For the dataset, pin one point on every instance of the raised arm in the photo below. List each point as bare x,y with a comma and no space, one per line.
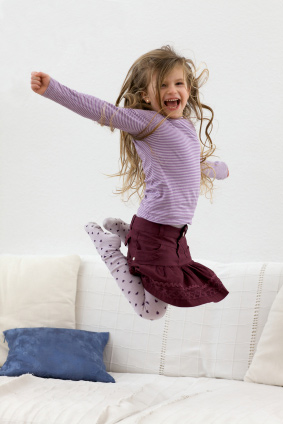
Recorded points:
125,119
220,168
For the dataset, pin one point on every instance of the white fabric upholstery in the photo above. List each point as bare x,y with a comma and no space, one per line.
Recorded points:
220,339
213,340
36,291
267,364
139,399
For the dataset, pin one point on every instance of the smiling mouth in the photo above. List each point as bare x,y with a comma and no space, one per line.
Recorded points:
172,104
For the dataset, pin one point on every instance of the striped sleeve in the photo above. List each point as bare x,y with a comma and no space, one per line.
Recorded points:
125,119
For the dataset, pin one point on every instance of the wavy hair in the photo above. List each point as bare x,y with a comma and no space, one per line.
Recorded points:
161,62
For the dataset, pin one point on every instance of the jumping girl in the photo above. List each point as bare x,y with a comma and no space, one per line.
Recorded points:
164,162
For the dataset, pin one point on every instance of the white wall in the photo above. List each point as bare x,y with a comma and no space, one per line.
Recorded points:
52,161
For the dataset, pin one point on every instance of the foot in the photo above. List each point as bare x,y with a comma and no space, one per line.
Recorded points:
117,226
105,243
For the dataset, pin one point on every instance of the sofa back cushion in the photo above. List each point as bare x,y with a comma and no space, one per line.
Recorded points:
267,363
37,291
212,340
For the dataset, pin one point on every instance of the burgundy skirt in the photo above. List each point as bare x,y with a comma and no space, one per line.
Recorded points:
159,254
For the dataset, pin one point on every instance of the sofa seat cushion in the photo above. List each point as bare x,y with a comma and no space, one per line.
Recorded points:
139,398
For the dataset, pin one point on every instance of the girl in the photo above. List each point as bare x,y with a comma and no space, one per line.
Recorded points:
163,161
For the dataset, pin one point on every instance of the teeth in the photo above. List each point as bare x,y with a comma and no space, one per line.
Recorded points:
171,100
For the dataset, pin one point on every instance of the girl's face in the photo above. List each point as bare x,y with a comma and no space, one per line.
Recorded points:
174,93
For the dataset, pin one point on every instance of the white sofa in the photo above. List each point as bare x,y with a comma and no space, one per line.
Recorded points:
209,364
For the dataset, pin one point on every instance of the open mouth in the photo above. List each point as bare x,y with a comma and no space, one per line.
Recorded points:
172,103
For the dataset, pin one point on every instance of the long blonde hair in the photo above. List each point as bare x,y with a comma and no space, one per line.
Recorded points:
160,62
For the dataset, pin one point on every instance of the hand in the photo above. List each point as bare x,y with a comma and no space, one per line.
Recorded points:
39,82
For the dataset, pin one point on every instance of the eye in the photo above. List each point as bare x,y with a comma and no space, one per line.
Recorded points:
163,85
180,83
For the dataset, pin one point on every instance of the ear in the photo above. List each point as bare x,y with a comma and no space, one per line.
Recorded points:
145,97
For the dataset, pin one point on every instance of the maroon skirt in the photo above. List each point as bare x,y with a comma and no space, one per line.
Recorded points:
159,254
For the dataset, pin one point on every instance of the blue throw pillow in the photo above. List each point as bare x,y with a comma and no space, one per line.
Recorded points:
56,353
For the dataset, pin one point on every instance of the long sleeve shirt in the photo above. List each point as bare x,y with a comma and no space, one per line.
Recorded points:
170,155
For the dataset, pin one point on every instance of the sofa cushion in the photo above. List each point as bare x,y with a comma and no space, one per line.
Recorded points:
220,339
56,353
138,398
212,340
37,291
267,363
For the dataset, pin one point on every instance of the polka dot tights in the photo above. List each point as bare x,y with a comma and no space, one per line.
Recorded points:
108,247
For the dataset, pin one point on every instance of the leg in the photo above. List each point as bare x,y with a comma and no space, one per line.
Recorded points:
108,247
117,226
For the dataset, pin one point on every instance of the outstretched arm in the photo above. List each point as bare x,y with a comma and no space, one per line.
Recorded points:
220,168
129,120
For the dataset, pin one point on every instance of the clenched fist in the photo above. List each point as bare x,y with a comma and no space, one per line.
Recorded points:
39,82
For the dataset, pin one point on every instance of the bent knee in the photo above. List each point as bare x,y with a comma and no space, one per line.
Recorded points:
153,315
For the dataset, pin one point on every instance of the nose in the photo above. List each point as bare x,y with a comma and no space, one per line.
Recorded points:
172,89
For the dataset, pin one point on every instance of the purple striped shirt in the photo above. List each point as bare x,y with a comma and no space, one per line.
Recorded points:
170,156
